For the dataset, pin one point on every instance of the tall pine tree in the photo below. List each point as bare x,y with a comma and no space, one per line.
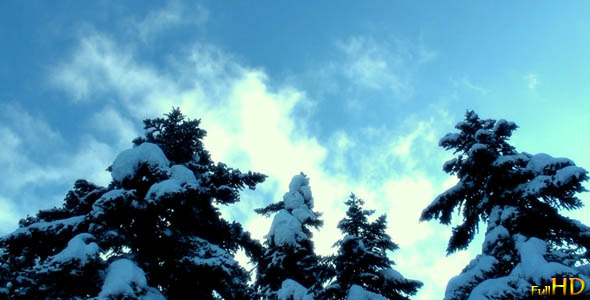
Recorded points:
519,196
289,264
154,233
362,268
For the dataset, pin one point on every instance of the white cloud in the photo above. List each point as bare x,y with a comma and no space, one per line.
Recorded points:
410,196
99,65
36,167
250,126
110,123
532,81
89,161
173,15
22,138
465,82
384,65
28,127
340,144
9,215
404,145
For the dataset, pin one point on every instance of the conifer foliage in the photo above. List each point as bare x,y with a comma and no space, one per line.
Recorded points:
154,233
519,196
362,268
289,264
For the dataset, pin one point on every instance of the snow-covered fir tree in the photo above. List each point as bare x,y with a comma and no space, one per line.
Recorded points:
363,270
289,268
518,195
154,233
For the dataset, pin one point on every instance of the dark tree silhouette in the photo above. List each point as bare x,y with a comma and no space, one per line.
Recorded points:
518,195
289,258
361,264
154,232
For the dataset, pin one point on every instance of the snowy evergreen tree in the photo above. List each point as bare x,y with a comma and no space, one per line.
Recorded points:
519,195
289,265
154,233
363,270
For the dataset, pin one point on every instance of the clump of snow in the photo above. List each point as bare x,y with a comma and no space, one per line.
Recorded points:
292,290
501,126
584,231
473,274
358,246
584,269
128,162
285,229
483,135
510,159
166,187
450,193
537,185
58,226
532,264
449,138
211,255
508,213
493,235
392,275
449,164
293,200
357,292
303,214
550,172
109,196
305,190
538,162
567,175
182,174
79,247
297,182
287,225
125,278
477,147
543,162
298,203
299,185
108,199
496,288
533,269
494,217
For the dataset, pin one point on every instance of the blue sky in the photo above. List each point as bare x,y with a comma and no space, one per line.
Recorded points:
356,96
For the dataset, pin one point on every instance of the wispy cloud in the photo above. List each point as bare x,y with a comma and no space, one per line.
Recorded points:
251,126
465,82
381,65
100,65
532,81
175,14
37,166
112,125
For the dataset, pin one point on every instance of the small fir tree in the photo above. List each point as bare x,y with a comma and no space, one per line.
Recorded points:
289,262
361,265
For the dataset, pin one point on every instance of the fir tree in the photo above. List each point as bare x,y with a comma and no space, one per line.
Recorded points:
361,265
518,195
289,262
154,233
